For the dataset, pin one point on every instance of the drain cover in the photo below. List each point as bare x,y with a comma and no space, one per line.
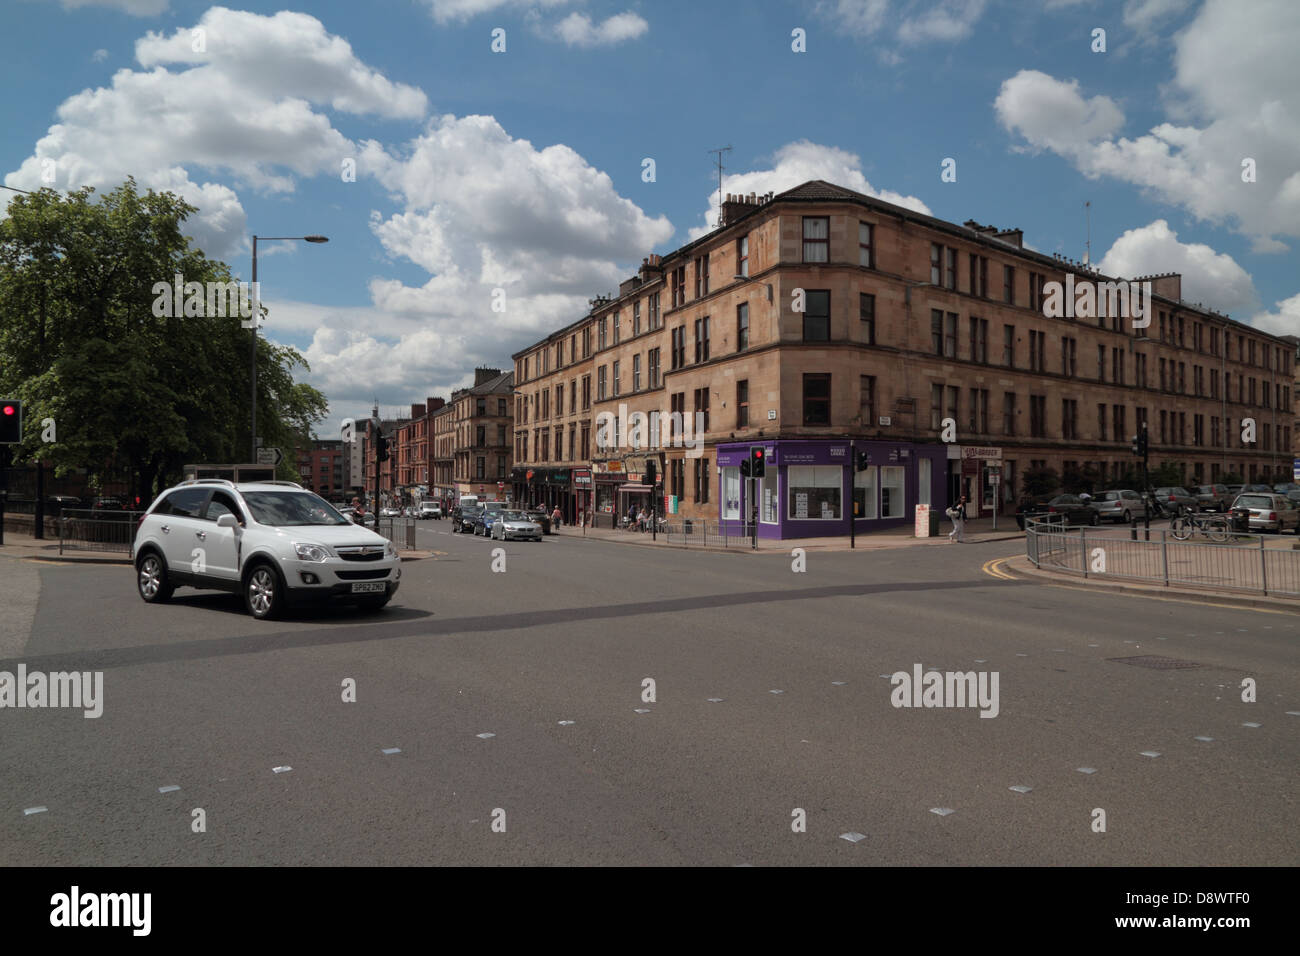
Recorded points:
1155,662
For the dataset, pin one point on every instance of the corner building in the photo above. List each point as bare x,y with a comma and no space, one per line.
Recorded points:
821,317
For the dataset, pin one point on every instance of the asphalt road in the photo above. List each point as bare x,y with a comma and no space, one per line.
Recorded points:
199,696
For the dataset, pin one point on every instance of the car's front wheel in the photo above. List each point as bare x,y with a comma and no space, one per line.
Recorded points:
262,593
151,579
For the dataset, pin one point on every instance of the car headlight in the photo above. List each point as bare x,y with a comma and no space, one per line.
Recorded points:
312,552
390,549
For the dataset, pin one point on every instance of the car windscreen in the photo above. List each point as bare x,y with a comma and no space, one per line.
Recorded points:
1254,501
514,516
283,509
1109,496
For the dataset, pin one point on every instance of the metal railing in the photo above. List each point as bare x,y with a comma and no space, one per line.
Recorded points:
83,529
707,534
1246,562
400,531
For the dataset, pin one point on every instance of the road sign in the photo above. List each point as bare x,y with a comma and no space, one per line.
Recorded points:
269,456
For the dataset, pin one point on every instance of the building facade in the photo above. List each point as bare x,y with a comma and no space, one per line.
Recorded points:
481,424
820,316
323,468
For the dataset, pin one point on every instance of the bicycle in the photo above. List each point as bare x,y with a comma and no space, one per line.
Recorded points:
1185,525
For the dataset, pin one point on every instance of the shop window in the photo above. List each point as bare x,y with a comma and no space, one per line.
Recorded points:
731,493
864,492
814,493
893,502
768,511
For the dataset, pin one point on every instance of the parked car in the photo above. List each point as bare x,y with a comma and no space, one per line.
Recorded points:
1235,490
1269,512
108,504
1258,489
1294,495
515,525
390,512
484,519
430,509
1176,499
463,518
1121,506
1072,508
1285,488
272,542
1213,497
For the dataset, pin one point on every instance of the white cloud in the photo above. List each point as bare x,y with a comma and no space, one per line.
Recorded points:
99,56
916,21
1211,278
796,163
1145,14
244,107
1246,106
1284,320
136,8
577,29
447,11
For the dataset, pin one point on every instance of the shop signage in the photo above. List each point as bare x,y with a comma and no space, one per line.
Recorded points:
980,452
582,476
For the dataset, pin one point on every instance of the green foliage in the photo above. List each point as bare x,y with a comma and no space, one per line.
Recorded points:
132,395
1040,482
1169,474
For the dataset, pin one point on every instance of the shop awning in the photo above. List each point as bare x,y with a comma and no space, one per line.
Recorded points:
634,489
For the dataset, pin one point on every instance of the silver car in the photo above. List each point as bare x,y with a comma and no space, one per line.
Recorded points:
1270,512
516,526
1176,499
1121,506
1213,497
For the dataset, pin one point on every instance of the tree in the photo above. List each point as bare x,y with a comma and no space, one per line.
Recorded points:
133,395
1040,482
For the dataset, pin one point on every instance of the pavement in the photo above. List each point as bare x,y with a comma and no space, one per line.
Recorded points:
649,706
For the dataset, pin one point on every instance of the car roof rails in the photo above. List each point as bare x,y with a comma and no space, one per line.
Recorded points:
208,481
275,481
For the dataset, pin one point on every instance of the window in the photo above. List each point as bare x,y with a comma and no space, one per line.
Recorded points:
979,340
936,331
1038,416
936,264
817,399
1140,369
979,411
480,436
223,504
653,316
546,403
702,409
502,408
480,406
600,383
865,249
617,326
702,481
817,315
864,492
742,403
893,502
701,276
769,504
601,334
816,238
867,400
1117,366
652,359
1101,363
677,403
701,340
742,326
1037,341
954,402
814,493
559,444
1069,419
636,318
1101,422
1069,356
1009,284
636,372
943,333
731,494
1009,346
867,315
679,286
1118,421
950,268
936,407
742,256
679,346
979,276
616,364
586,392
559,399
573,396
480,467
586,443
1036,290
586,343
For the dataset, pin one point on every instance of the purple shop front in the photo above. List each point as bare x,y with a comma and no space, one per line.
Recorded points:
812,487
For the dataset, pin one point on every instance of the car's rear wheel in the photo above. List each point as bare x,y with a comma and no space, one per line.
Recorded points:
1094,519
152,581
262,593
1126,518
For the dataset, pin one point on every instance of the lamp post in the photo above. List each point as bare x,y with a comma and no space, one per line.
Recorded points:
256,317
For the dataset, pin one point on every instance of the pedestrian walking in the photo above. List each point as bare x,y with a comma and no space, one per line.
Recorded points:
958,515
555,517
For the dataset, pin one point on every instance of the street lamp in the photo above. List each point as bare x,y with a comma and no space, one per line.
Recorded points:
253,357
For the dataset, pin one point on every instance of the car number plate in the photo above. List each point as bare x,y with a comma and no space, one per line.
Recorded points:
368,588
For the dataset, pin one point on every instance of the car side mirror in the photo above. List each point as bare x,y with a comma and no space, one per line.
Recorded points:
227,520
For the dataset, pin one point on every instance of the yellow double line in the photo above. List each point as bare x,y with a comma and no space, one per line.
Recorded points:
993,569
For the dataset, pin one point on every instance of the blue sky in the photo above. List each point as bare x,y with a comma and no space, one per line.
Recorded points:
523,170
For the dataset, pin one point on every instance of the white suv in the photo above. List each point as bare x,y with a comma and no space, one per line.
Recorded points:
271,541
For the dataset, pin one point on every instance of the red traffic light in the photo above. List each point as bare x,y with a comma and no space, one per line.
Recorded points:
9,409
758,453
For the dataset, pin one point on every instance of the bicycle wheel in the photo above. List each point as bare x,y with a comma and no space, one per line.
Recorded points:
1216,530
1180,528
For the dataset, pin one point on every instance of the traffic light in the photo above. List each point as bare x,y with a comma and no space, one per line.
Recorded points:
11,421
757,462
381,447
863,462
744,468
1139,444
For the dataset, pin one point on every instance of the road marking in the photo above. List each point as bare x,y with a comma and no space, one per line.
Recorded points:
170,788
853,837
993,569
389,751
30,810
